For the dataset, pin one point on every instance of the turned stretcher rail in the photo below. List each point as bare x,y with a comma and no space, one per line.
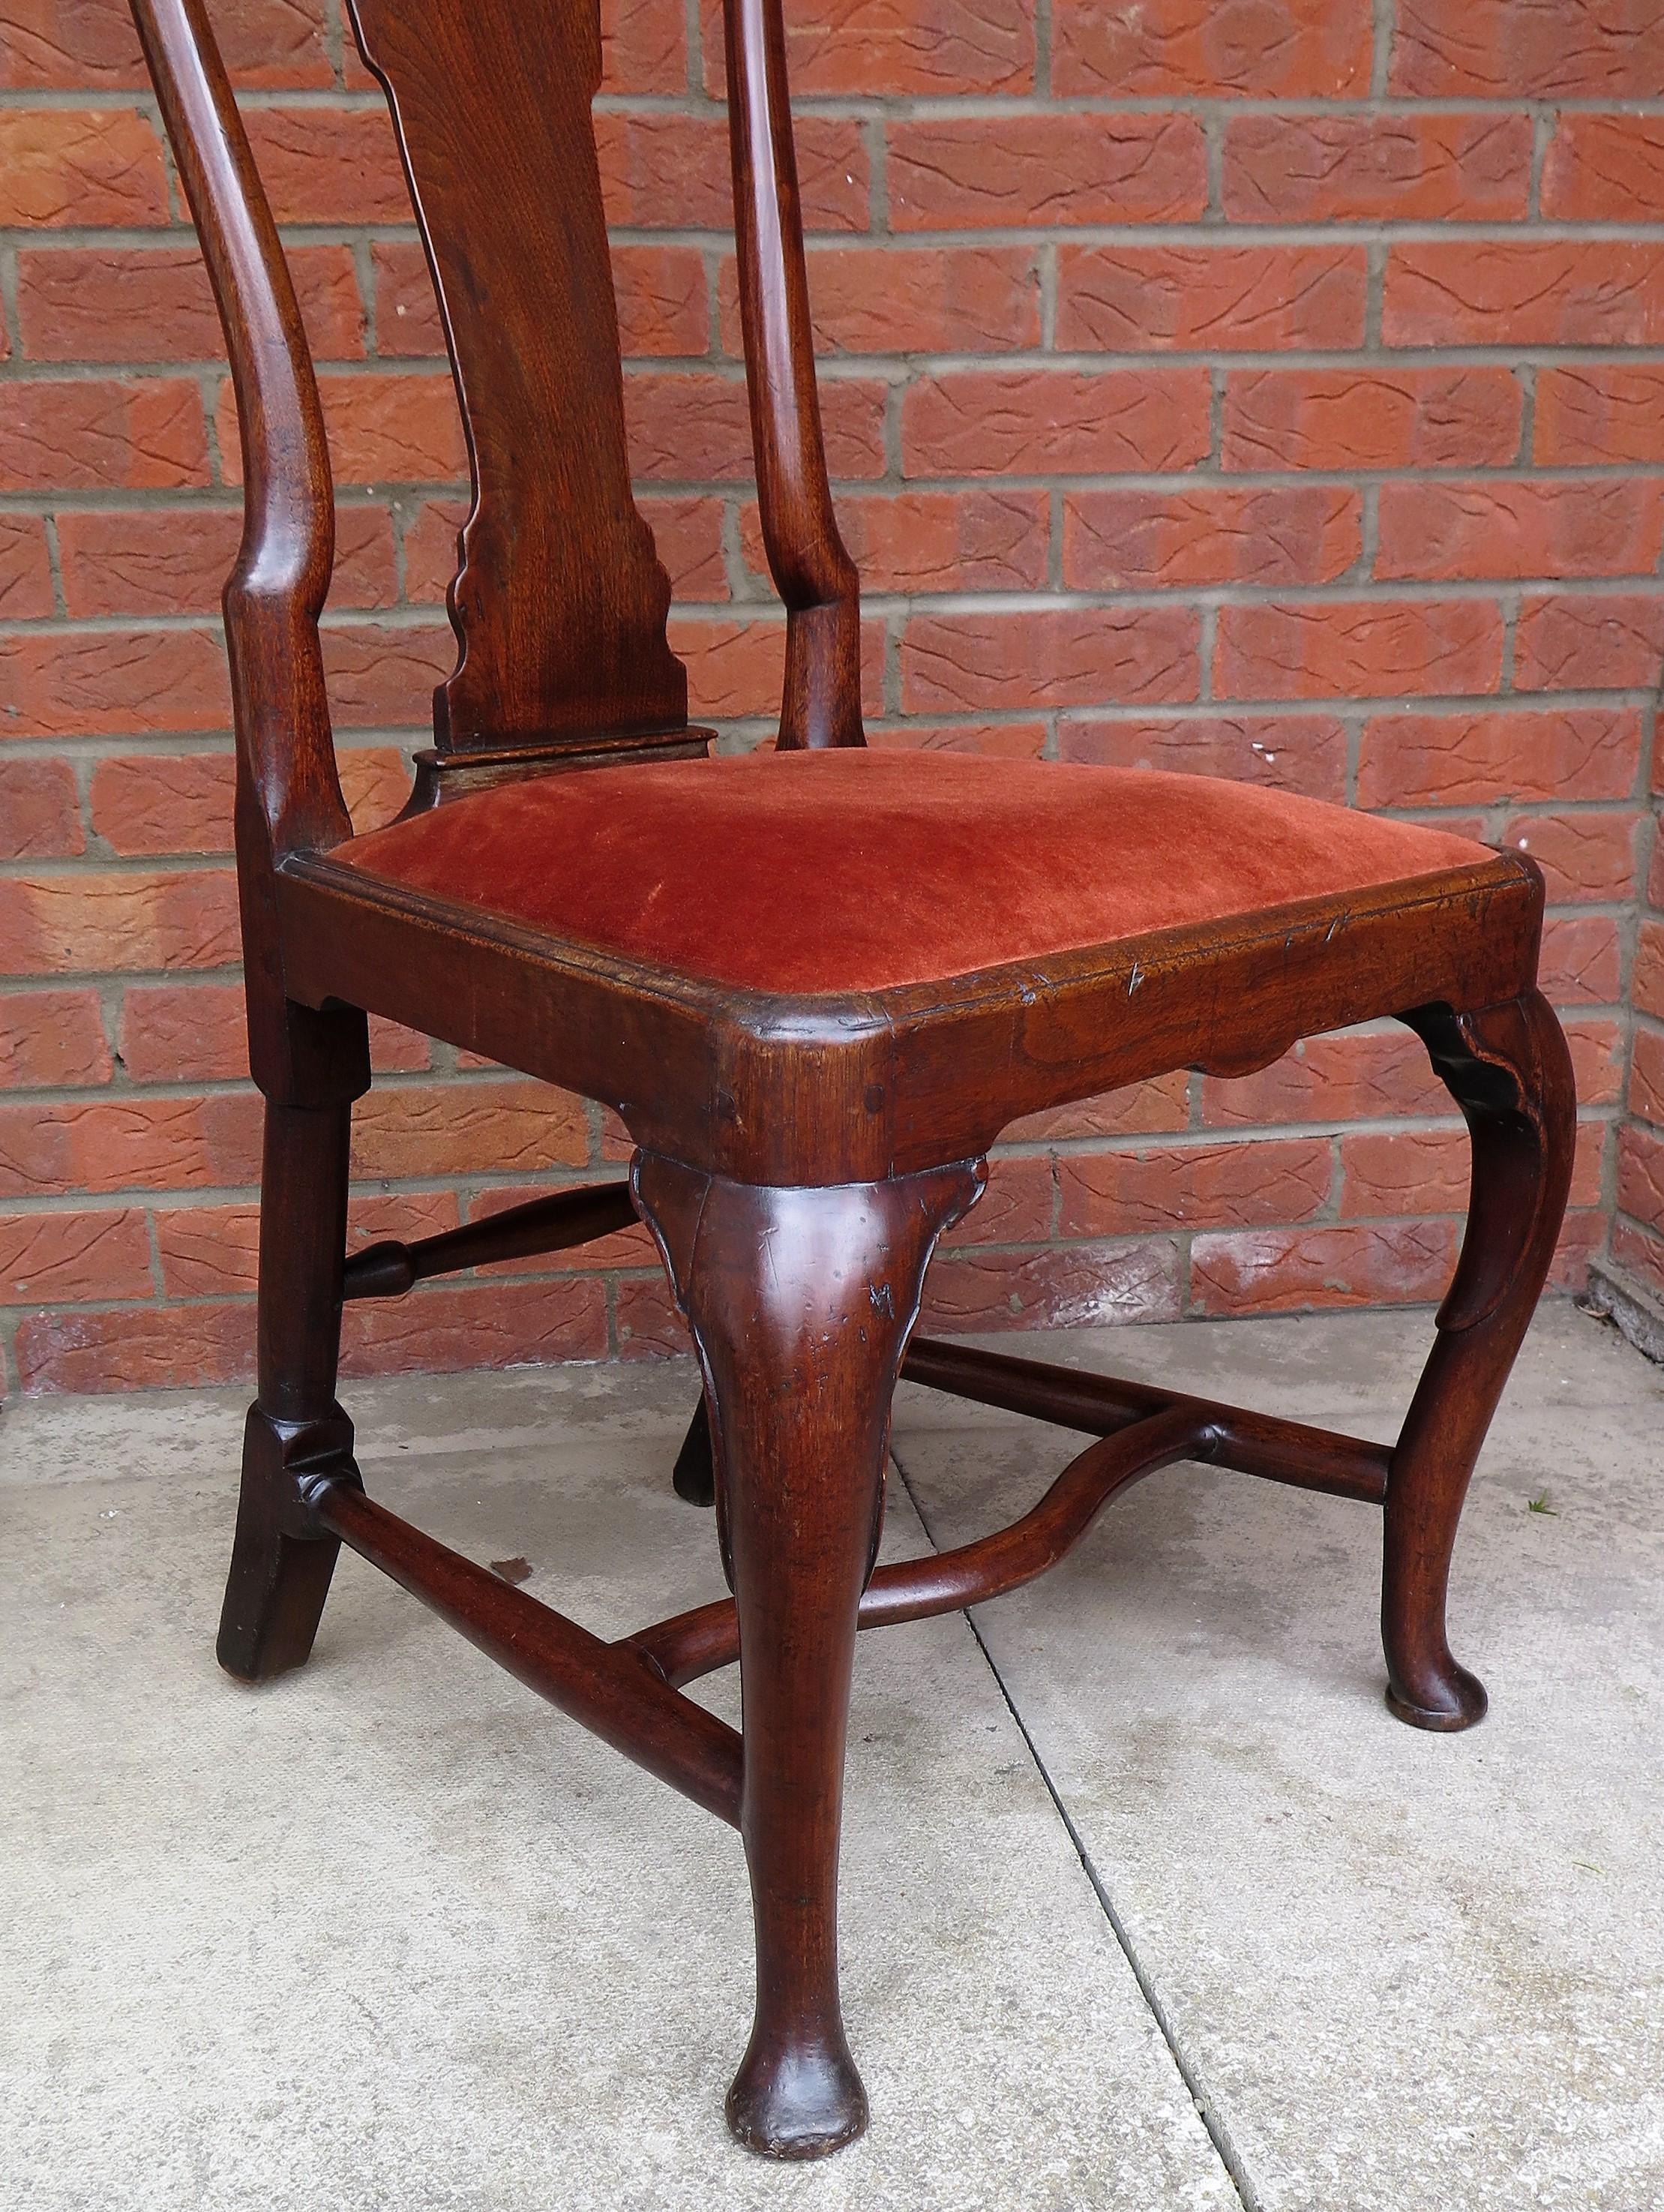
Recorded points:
606,1686
519,1232
1100,1405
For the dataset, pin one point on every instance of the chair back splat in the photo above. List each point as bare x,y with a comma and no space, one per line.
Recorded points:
560,602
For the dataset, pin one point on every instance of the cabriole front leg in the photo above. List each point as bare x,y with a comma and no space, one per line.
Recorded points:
1509,1070
800,1302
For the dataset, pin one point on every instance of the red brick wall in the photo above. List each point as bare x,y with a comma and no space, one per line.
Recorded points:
1267,386
1638,1235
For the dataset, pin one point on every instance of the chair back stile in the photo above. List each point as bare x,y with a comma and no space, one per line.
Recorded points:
288,794
276,591
812,571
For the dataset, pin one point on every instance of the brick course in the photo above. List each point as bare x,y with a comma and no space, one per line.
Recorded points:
1275,393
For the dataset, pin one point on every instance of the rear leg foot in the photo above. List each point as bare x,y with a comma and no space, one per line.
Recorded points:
694,1476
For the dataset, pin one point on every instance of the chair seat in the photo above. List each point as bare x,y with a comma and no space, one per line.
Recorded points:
850,871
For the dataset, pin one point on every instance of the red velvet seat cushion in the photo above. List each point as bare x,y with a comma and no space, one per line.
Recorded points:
854,871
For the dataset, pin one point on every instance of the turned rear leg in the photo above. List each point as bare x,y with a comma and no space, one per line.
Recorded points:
1509,1070
280,1576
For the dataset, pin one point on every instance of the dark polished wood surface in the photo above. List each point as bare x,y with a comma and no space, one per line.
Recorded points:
560,601
796,1156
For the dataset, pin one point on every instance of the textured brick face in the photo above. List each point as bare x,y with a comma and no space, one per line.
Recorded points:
1638,1232
1267,388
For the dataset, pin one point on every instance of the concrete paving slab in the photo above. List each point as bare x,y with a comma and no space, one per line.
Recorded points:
1406,1973
389,1934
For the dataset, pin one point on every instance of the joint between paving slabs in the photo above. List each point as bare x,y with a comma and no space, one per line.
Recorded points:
1207,2110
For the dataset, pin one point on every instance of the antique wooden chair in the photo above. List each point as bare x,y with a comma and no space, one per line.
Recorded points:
816,983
